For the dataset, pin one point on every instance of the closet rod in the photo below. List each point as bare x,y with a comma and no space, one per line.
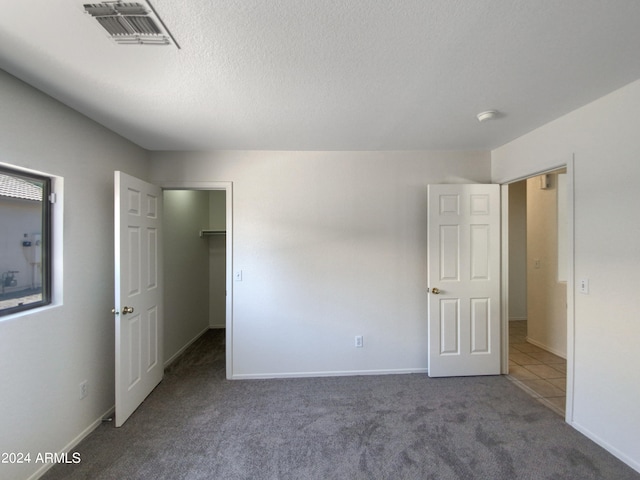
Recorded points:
207,233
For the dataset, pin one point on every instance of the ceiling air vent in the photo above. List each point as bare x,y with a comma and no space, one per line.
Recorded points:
131,23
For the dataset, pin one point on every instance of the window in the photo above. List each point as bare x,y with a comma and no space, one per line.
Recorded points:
25,241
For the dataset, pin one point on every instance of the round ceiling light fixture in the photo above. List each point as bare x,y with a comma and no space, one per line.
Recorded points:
488,115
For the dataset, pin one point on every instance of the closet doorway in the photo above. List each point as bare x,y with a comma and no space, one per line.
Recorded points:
197,266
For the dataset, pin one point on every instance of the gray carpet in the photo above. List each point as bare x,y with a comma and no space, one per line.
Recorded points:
197,425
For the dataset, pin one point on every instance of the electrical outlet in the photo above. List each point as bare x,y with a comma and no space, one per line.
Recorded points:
359,341
84,389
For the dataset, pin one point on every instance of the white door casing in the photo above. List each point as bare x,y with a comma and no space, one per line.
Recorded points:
138,286
228,188
464,280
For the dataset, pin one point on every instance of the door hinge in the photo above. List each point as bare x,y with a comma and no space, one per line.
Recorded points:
52,198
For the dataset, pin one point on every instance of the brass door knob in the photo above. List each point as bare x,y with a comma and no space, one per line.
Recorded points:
435,291
126,310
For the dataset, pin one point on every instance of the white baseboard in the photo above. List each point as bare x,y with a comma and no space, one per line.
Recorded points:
181,351
607,446
546,347
348,373
67,448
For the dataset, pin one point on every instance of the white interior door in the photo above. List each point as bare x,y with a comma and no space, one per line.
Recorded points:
138,292
464,280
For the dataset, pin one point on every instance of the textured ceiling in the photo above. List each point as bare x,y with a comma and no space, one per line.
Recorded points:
329,74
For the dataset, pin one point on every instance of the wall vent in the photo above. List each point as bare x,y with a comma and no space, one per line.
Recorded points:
131,23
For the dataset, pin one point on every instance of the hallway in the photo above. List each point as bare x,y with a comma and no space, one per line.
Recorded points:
540,373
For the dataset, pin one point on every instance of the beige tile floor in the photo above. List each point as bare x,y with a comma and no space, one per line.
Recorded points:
542,374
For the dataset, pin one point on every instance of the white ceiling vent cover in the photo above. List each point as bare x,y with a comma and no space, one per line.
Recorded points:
131,23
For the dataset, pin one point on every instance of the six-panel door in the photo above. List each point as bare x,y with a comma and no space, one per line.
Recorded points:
138,292
464,280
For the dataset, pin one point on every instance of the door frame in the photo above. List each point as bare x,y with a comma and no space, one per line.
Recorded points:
228,188
504,186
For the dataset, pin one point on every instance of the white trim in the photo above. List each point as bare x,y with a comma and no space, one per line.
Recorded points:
67,448
228,188
546,347
344,373
571,319
194,185
175,356
633,463
556,166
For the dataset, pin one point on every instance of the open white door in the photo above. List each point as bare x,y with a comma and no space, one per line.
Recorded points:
138,292
464,280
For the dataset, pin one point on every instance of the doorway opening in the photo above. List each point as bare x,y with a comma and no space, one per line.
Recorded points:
538,286
197,268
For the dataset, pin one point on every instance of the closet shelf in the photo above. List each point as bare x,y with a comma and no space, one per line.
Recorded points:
208,233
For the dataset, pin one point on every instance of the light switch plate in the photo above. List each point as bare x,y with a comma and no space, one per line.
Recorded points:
583,286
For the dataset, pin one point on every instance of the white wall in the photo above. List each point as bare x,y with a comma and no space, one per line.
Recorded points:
604,138
46,354
331,245
186,268
546,295
217,210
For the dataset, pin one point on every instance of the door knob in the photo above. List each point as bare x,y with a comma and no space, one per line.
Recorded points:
435,291
126,310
